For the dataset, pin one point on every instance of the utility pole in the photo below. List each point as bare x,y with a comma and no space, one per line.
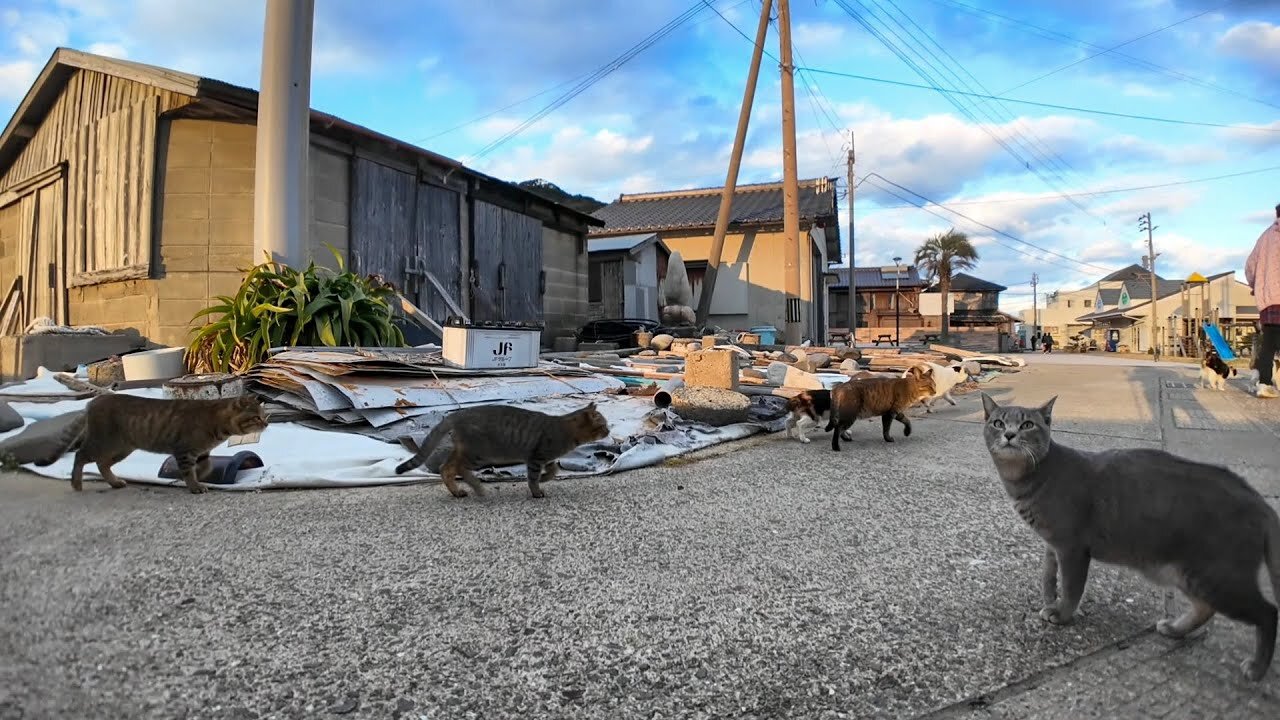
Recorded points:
790,183
853,281
283,133
1144,223
897,302
1035,310
735,161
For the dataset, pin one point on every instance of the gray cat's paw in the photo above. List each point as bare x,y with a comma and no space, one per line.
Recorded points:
1253,671
1167,628
1053,616
804,439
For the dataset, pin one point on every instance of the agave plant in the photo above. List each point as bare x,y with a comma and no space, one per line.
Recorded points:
278,305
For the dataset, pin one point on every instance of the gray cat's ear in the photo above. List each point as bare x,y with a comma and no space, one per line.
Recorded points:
1047,410
988,406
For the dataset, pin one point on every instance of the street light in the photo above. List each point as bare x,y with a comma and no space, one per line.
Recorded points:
897,302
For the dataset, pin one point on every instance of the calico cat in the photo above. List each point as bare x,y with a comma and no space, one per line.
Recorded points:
805,410
887,397
115,425
1197,527
500,434
1214,372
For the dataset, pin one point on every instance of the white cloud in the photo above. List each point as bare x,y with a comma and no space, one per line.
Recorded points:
1254,41
36,33
1257,136
818,34
16,78
109,49
1139,90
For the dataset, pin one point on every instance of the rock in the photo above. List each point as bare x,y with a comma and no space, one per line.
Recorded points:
849,354
785,375
713,406
849,366
210,386
679,315
971,367
647,353
676,288
819,360
752,372
661,342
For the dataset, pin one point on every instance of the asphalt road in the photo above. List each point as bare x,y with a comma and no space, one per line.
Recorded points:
765,579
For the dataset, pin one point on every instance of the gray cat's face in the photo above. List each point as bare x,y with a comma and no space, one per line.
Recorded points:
1013,431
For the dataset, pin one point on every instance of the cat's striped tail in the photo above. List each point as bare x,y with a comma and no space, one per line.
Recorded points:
69,439
429,444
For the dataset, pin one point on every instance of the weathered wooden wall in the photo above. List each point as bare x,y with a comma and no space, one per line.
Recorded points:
507,259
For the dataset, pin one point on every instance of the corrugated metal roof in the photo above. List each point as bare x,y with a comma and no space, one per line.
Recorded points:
759,204
618,242
874,277
1140,288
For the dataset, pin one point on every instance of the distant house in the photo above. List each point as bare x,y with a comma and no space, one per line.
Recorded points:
126,200
974,303
1071,312
876,297
1182,308
751,284
623,275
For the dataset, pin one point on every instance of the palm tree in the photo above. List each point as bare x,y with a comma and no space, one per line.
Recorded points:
940,257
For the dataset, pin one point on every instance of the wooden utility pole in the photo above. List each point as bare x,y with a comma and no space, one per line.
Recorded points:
790,182
735,161
853,282
1035,310
1144,223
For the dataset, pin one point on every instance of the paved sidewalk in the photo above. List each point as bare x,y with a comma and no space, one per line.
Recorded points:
1146,675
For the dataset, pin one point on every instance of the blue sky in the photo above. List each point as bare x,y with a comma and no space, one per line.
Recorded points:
665,120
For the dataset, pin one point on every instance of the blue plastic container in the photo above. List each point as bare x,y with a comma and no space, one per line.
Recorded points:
768,334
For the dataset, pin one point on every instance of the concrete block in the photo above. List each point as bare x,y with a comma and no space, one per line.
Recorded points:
238,258
224,283
233,132
191,131
230,154
183,286
232,181
708,342
173,335
130,311
236,206
189,154
178,312
175,231
232,232
711,368
784,375
185,207
184,258
187,181
714,406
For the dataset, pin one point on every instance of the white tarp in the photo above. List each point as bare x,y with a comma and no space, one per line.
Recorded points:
297,456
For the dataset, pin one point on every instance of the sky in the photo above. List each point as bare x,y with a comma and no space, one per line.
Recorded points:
1046,190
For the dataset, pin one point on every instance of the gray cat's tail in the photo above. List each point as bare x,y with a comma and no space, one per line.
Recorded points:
70,438
429,444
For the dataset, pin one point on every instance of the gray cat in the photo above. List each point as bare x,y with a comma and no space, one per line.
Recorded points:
1199,528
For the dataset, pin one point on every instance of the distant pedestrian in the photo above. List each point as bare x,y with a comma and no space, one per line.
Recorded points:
1262,272
1047,340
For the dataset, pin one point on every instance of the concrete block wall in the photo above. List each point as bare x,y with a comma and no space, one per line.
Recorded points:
564,306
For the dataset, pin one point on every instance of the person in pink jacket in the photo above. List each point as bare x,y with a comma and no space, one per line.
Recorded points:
1262,272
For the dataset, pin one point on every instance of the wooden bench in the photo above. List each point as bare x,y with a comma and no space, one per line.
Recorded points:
839,335
884,337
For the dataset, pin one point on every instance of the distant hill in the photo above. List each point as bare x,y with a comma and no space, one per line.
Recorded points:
551,191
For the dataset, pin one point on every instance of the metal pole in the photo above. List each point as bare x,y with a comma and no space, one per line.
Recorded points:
790,183
897,302
283,134
1035,311
853,281
735,161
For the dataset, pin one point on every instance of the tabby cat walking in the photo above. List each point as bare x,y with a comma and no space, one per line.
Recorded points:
488,435
115,425
1197,527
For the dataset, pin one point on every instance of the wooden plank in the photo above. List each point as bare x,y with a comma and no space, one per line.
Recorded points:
955,351
439,244
486,258
383,202
522,265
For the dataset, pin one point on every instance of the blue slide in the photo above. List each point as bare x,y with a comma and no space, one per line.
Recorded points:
1219,342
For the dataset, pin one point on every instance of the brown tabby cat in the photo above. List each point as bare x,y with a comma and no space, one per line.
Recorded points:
116,425
887,397
488,435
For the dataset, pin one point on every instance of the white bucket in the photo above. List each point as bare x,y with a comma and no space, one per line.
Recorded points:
160,364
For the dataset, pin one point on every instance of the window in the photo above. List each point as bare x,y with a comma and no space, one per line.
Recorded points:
1069,303
1088,303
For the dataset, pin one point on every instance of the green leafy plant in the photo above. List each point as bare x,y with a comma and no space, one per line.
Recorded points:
278,305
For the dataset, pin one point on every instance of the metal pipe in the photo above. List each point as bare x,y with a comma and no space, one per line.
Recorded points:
280,201
662,398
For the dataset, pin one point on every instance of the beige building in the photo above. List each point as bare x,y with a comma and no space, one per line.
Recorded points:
126,201
1181,311
1069,312
751,283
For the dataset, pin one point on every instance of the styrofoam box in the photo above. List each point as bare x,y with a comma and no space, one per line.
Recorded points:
491,348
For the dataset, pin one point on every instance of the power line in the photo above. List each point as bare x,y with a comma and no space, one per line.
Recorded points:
1069,108
1110,191
1104,51
873,175
595,77
1033,29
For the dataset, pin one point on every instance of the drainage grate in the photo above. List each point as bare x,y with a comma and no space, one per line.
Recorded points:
1176,384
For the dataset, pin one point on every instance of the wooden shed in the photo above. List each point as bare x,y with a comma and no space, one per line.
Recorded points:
126,200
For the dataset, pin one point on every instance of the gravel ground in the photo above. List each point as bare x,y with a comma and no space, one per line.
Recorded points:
765,579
